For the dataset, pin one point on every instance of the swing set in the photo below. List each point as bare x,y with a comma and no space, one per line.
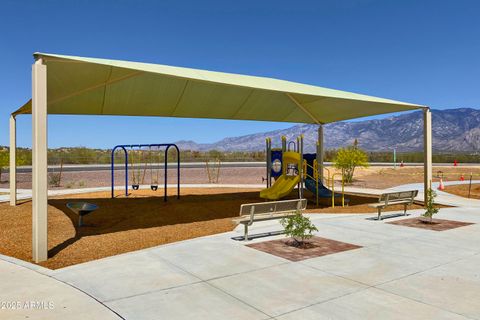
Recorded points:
141,158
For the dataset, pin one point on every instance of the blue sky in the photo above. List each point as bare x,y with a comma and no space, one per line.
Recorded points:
426,52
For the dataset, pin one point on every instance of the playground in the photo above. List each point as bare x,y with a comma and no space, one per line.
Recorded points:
140,221
149,230
147,190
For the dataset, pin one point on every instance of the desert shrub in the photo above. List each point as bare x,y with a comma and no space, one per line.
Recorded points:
4,159
430,201
54,179
298,227
348,159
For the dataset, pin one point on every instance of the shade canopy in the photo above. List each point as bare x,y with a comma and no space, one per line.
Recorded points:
90,86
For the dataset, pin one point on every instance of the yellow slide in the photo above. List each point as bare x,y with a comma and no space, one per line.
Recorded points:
281,188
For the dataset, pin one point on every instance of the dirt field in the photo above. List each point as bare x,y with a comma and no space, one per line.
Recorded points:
462,190
87,179
383,177
140,221
373,177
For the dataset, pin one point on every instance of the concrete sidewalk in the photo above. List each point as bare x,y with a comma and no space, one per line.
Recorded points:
399,273
31,294
24,194
444,198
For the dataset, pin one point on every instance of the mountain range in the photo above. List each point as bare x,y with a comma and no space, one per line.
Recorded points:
454,130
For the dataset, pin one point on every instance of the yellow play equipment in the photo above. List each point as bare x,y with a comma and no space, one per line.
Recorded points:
291,164
290,167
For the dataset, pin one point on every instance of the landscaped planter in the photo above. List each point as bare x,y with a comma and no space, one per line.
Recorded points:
425,219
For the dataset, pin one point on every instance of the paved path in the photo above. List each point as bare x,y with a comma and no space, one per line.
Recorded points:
23,194
443,197
31,294
399,273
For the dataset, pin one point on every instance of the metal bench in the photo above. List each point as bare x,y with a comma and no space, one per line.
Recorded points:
262,211
392,198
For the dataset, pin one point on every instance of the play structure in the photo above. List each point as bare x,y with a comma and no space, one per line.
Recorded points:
289,167
141,158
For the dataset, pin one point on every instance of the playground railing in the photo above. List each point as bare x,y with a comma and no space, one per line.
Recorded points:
327,180
314,178
333,189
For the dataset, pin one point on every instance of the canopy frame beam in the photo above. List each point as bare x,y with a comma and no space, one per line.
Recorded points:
298,104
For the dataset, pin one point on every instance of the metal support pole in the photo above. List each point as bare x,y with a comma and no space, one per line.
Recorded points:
13,161
268,149
427,153
165,170
300,169
394,158
39,162
320,152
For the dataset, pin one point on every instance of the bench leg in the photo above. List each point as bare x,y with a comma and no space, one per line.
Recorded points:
245,232
405,209
379,214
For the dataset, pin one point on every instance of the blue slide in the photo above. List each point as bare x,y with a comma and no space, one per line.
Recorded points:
323,192
311,185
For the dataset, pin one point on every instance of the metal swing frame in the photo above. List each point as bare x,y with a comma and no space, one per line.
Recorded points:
124,147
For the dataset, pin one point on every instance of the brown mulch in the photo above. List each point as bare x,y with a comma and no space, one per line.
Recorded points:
462,190
315,247
435,225
140,221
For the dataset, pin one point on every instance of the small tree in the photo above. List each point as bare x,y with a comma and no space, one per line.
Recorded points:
348,159
430,204
4,159
298,227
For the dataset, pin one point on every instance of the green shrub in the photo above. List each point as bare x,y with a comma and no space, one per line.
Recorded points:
298,227
347,159
4,160
54,179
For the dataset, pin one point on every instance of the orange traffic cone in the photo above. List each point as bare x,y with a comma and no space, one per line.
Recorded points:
441,186
462,178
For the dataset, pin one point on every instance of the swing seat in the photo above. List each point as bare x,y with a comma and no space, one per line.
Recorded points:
154,187
135,186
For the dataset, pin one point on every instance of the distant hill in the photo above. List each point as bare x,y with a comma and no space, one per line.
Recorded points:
454,130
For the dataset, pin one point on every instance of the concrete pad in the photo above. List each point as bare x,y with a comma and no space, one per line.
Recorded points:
215,257
284,288
124,275
371,304
194,302
367,265
378,227
428,254
457,240
357,237
58,300
454,287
